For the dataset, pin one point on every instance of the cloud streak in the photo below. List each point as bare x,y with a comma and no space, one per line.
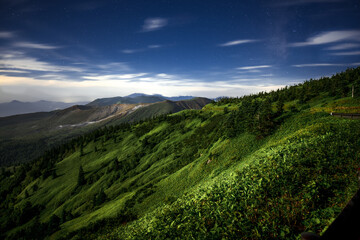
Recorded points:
343,46
34,45
19,61
153,24
353,53
237,42
5,35
254,67
325,65
329,37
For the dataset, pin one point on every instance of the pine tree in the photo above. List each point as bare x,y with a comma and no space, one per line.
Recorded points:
81,150
53,174
81,177
63,216
26,194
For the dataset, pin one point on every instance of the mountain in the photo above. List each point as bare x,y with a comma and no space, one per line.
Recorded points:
17,107
179,98
264,166
164,107
125,100
24,137
136,98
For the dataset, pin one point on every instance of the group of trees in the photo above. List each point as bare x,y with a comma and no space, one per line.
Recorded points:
258,114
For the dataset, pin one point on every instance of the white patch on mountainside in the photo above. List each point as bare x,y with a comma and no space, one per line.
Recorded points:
115,113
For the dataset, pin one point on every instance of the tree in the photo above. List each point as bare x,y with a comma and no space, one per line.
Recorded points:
26,194
100,198
81,150
81,177
279,107
54,223
263,120
53,174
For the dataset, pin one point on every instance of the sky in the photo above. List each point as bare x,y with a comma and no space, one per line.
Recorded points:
82,50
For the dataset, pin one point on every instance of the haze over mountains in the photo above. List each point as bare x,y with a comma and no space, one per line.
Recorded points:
17,107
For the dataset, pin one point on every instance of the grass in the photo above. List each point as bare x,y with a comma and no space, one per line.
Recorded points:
187,175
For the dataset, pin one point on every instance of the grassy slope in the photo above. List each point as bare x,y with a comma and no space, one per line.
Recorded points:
296,181
20,135
229,171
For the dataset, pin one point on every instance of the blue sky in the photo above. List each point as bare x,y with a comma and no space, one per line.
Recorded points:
82,50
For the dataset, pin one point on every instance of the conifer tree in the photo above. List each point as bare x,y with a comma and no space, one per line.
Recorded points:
81,177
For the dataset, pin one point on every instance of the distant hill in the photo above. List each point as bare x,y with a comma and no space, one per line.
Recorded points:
136,98
17,107
25,136
164,107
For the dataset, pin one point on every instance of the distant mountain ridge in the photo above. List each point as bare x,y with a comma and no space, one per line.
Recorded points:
21,134
136,98
17,107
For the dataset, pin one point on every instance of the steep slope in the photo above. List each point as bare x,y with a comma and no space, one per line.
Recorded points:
164,107
266,166
24,137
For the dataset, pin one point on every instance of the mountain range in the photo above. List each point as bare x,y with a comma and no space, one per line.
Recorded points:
17,107
26,136
136,98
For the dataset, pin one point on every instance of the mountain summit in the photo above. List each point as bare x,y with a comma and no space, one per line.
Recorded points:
136,98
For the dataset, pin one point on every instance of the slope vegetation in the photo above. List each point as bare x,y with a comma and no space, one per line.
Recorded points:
266,166
25,137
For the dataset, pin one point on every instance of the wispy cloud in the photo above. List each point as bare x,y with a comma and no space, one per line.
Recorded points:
237,42
353,53
254,67
120,66
154,46
317,65
131,51
329,37
12,71
165,75
343,46
325,65
153,24
115,76
34,45
7,34
19,61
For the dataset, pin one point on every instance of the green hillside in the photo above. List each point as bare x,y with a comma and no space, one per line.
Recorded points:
265,166
27,136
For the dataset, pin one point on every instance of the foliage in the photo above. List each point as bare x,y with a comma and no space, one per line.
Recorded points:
264,166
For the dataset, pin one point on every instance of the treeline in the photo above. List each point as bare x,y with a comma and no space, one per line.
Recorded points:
339,85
